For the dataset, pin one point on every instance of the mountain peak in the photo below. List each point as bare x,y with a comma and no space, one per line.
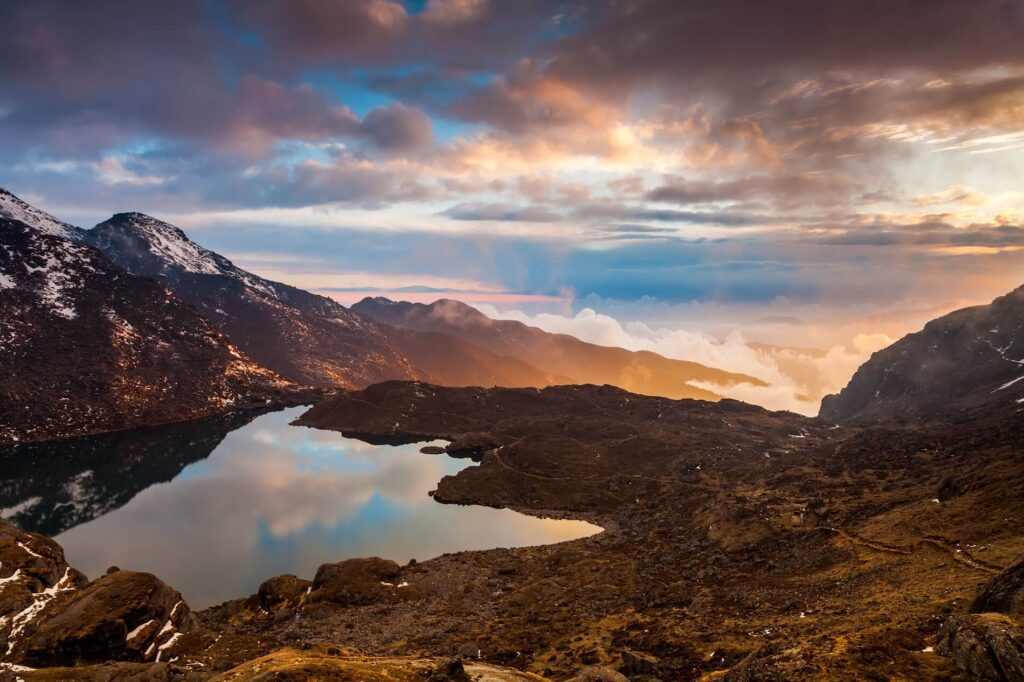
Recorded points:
159,239
14,208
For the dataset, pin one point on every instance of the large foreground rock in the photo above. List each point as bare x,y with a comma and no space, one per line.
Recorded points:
988,645
51,615
1005,593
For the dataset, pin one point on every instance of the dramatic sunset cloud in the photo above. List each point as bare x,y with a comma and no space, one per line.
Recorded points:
641,158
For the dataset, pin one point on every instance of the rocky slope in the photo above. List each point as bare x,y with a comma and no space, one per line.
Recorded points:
307,338
86,347
740,544
13,208
558,354
969,360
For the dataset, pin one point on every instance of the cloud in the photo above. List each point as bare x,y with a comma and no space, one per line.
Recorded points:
453,12
501,212
398,128
797,377
319,31
785,190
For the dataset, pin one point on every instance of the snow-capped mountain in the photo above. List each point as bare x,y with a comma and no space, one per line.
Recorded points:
971,358
13,208
86,347
307,338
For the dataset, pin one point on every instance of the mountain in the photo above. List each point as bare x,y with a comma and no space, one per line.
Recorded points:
558,354
313,340
967,360
306,338
86,347
446,360
13,208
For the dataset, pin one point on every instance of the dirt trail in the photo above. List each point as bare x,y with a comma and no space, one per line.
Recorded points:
941,544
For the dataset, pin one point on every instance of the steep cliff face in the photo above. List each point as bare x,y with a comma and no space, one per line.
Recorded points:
86,347
968,360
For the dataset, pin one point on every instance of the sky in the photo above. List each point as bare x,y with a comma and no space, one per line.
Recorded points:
676,174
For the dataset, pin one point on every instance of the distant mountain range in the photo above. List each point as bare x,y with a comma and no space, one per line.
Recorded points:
573,360
967,360
288,336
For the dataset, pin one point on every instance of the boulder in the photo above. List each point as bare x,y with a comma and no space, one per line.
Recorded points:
281,589
34,580
449,671
989,646
359,582
639,663
125,616
33,555
1004,593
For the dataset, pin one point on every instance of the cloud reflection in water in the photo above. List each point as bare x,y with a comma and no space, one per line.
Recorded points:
274,498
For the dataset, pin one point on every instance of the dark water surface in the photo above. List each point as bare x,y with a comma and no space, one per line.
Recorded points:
216,506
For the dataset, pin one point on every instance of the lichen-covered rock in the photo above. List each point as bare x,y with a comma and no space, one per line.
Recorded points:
988,645
358,582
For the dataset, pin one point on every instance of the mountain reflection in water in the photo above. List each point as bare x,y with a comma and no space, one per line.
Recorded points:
216,506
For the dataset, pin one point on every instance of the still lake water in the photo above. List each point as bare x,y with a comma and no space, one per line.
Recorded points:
215,507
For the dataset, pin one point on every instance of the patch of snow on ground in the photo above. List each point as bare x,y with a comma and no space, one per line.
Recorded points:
1009,383
39,601
135,633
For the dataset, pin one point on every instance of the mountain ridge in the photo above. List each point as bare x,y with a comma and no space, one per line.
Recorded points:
86,347
964,361
643,372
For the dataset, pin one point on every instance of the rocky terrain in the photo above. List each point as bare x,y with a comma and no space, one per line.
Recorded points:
86,347
969,360
881,541
739,544
307,338
13,208
558,354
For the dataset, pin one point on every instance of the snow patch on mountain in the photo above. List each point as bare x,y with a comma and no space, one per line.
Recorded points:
171,244
15,209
